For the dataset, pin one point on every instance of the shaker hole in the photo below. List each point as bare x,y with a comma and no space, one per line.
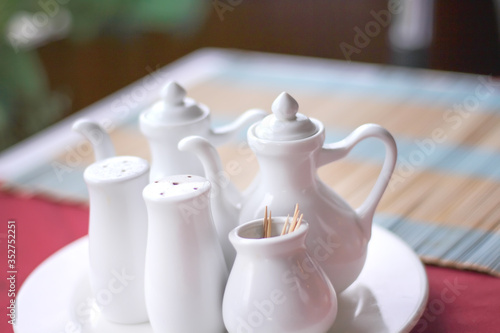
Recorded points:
175,183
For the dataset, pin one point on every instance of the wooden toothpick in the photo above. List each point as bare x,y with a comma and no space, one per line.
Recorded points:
283,231
288,226
265,223
294,220
298,223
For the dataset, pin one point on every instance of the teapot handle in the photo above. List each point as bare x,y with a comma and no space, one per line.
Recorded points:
337,150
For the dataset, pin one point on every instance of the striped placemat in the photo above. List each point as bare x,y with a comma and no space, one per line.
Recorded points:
444,197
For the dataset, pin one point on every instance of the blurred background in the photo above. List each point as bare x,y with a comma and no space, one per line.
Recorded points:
58,56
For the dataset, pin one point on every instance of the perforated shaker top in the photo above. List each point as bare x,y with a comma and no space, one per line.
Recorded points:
116,168
177,187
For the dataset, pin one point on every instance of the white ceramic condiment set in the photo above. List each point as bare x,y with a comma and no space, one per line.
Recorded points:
290,148
178,264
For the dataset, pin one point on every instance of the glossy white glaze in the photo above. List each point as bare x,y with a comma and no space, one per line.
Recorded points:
176,116
185,268
117,236
225,215
275,286
117,228
98,137
338,234
389,295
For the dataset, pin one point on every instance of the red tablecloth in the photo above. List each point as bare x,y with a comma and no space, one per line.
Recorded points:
459,301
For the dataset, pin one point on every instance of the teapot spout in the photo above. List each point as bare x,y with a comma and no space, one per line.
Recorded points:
225,212
98,137
225,133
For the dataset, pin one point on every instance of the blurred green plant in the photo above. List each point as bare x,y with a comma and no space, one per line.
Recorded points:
27,103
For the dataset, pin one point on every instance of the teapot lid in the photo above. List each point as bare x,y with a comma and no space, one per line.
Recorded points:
285,123
174,107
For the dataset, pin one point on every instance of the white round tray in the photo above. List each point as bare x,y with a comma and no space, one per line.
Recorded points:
389,295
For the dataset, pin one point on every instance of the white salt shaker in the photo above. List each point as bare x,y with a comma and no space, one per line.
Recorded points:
117,228
185,269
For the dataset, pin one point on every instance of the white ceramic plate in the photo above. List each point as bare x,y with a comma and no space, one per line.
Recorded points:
389,295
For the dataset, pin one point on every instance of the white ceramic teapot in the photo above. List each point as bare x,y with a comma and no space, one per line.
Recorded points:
290,148
176,116
117,228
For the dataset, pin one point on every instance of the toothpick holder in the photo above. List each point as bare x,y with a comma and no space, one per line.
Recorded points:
274,285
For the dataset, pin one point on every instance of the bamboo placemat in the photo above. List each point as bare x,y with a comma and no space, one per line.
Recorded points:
444,197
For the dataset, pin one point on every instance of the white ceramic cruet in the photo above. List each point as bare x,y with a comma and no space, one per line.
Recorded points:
290,148
117,228
176,116
185,268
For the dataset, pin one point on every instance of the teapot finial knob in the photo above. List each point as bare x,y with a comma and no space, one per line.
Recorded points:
286,123
285,107
173,93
